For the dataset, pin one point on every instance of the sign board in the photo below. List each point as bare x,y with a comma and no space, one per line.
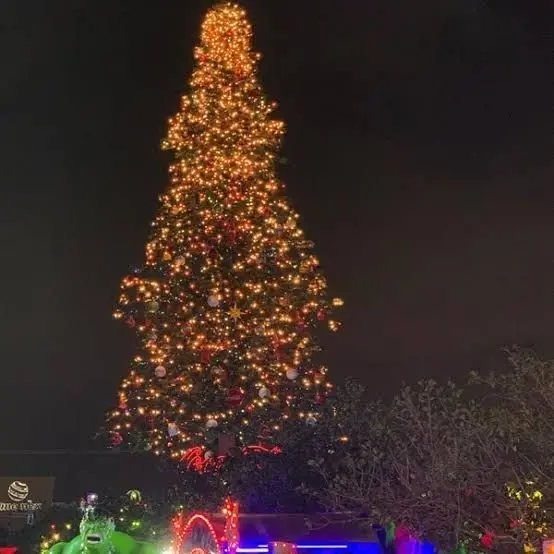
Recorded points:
25,494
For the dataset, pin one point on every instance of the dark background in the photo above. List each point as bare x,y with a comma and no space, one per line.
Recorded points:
420,141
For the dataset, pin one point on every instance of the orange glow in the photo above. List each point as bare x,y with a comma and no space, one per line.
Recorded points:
230,294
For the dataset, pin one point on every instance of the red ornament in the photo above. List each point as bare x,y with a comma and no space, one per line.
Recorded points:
115,438
205,356
147,323
130,321
318,398
235,397
122,405
320,315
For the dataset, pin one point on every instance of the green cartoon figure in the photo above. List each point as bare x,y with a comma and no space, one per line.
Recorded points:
97,535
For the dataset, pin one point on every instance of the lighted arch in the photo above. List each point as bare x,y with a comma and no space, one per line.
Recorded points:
184,533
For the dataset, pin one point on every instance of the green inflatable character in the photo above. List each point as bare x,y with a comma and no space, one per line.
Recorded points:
97,535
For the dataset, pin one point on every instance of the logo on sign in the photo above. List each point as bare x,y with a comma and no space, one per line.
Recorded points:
18,491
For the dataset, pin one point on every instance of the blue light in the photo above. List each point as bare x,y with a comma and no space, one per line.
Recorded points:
260,549
322,546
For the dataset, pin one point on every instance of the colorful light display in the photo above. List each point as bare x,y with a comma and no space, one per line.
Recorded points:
197,531
227,301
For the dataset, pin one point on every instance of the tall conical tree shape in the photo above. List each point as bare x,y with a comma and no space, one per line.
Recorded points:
230,291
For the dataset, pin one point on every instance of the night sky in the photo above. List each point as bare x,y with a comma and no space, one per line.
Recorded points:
420,156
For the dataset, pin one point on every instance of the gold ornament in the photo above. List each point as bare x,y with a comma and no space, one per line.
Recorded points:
235,313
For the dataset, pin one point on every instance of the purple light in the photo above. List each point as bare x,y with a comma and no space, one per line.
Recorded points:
265,547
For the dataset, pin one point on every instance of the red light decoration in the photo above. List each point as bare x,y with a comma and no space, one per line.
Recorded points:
182,531
195,458
227,543
231,513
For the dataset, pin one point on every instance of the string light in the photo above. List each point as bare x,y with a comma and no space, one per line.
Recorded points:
230,292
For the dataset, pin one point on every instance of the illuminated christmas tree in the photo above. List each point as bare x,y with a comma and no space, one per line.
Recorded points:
230,292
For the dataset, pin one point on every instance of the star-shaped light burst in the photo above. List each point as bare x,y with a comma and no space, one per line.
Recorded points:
235,313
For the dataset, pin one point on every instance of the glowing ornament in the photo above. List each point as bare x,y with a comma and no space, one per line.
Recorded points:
235,313
211,423
134,495
172,429
152,306
263,392
292,373
213,301
166,257
160,371
115,438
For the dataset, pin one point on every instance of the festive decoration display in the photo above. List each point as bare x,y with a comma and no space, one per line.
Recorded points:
195,457
230,292
201,533
97,535
196,533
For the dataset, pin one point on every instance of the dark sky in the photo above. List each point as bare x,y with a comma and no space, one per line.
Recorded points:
420,146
